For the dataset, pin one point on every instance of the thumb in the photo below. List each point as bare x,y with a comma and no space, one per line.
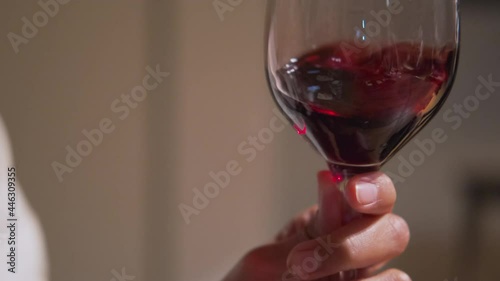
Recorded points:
329,217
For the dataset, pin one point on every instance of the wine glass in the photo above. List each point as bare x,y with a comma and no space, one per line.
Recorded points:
359,78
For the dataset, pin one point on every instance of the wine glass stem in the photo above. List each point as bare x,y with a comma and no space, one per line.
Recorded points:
342,174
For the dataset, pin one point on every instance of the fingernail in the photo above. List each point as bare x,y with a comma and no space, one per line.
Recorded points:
366,192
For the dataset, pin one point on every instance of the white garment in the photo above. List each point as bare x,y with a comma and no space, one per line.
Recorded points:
31,259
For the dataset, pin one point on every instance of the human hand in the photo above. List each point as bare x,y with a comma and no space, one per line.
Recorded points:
316,246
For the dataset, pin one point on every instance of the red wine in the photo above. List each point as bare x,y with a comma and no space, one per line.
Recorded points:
360,107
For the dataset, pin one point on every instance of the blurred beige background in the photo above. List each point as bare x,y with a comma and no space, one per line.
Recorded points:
119,207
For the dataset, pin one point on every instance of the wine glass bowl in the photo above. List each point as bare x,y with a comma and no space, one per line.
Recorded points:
362,77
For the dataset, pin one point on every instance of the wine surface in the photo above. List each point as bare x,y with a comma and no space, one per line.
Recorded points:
359,107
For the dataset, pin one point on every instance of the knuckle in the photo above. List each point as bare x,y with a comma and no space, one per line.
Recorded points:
351,247
398,233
